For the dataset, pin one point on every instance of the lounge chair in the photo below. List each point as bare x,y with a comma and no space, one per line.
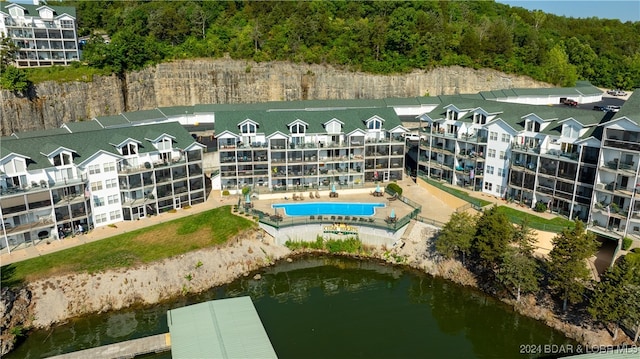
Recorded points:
295,197
317,194
394,197
311,195
312,217
301,196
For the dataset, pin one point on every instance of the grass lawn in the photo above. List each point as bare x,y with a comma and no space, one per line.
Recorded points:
556,224
76,72
140,246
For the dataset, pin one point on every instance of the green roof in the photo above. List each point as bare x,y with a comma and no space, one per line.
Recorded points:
86,144
144,115
112,121
40,133
272,121
631,108
83,126
224,328
30,9
176,110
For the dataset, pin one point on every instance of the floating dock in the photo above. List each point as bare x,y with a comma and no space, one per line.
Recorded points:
129,349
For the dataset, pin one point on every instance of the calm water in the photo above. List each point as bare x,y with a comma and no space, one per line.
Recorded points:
335,308
329,208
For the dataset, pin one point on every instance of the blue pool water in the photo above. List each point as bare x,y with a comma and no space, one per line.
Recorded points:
329,208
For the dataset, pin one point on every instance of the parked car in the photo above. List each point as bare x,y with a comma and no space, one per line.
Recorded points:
617,92
612,108
570,102
414,136
599,108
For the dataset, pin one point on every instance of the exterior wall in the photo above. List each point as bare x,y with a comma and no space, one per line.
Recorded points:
495,180
105,194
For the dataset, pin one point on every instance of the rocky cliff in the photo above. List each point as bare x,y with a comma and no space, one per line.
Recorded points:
229,81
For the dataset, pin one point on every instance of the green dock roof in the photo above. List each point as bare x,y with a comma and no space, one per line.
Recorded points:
225,328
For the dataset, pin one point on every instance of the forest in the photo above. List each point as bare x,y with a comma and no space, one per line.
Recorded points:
380,37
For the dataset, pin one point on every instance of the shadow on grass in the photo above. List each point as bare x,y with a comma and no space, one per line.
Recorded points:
7,274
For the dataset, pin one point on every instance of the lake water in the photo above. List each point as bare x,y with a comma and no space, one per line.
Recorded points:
331,307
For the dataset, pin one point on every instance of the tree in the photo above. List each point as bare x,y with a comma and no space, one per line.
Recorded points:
493,233
14,79
519,268
610,300
567,266
456,235
8,51
558,69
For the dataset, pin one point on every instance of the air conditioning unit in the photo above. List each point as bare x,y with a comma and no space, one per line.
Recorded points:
599,185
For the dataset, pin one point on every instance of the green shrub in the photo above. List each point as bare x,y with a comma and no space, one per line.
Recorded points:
626,243
395,188
540,207
225,192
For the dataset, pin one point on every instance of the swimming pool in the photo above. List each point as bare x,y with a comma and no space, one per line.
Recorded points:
329,208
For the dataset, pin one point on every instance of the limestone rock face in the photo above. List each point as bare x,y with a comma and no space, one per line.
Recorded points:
15,312
210,81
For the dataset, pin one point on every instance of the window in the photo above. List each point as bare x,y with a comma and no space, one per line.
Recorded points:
480,118
113,199
93,169
374,125
452,115
164,145
109,166
499,188
101,218
129,149
502,155
493,136
297,128
492,153
66,24
502,172
111,183
62,159
490,169
113,215
248,128
505,137
99,201
488,186
96,186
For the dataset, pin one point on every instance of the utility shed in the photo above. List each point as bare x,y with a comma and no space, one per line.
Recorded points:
225,328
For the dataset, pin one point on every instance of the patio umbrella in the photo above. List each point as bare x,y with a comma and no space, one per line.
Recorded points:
247,198
378,188
333,188
393,213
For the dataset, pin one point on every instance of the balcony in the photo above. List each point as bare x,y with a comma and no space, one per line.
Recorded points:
625,145
525,148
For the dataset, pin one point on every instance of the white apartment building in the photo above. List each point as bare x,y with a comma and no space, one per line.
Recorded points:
45,35
83,174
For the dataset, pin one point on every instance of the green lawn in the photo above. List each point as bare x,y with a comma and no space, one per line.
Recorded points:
556,224
76,72
140,246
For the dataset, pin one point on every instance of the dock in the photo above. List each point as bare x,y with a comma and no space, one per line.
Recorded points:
128,349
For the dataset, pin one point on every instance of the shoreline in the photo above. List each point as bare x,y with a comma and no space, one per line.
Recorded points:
57,299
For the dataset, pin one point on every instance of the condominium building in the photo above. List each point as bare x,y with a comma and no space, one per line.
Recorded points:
57,182
45,35
295,149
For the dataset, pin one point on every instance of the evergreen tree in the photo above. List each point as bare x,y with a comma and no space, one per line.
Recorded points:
456,235
519,268
493,233
608,303
568,262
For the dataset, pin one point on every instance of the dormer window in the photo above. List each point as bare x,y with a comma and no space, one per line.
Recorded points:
164,145
248,128
480,118
62,159
374,124
129,149
532,126
569,132
452,115
298,128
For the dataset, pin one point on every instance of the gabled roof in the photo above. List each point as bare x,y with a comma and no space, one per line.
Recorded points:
86,144
32,10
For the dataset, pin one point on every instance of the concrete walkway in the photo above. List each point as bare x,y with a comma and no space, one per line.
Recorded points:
128,349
